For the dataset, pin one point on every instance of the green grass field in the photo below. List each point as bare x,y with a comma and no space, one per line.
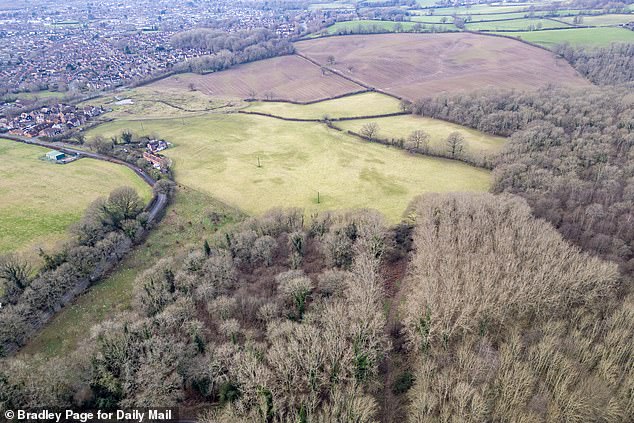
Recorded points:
516,24
217,154
43,95
41,200
186,222
588,37
366,104
438,130
482,9
432,18
369,26
331,5
603,20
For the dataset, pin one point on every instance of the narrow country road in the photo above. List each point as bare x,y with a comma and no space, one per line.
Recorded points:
155,206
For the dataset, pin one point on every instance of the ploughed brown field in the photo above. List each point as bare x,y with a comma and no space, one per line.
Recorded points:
286,78
418,65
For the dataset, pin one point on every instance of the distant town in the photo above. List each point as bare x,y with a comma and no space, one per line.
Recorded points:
70,48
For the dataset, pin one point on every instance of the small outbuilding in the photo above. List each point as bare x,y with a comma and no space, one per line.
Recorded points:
55,155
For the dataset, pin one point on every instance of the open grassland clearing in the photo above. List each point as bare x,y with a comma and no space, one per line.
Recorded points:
585,37
417,65
219,154
190,215
40,200
159,101
516,24
438,19
365,104
284,78
476,142
426,3
497,16
603,20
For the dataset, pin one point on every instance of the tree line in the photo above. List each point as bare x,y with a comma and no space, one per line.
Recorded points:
605,66
106,232
223,50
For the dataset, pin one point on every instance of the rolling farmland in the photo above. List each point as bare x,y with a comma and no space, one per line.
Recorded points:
603,20
374,26
516,24
218,155
286,77
416,65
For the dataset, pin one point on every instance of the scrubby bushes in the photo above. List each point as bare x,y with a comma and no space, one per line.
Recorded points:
242,324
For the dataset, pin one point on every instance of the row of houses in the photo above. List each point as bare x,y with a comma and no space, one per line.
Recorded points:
49,121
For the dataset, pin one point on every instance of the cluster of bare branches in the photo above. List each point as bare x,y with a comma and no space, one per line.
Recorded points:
508,322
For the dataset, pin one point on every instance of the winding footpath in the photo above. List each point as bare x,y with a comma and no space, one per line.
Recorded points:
155,207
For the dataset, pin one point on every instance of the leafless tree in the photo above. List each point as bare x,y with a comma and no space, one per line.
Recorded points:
370,130
418,141
455,144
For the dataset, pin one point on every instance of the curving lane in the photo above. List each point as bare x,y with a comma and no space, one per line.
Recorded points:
155,206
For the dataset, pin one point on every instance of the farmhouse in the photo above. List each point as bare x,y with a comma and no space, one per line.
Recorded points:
154,146
157,161
55,155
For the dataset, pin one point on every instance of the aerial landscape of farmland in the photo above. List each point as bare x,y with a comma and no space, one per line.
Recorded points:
415,65
317,211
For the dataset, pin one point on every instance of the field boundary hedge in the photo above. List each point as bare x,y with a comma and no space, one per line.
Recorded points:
306,103
483,164
343,34
536,30
490,34
321,120
336,72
